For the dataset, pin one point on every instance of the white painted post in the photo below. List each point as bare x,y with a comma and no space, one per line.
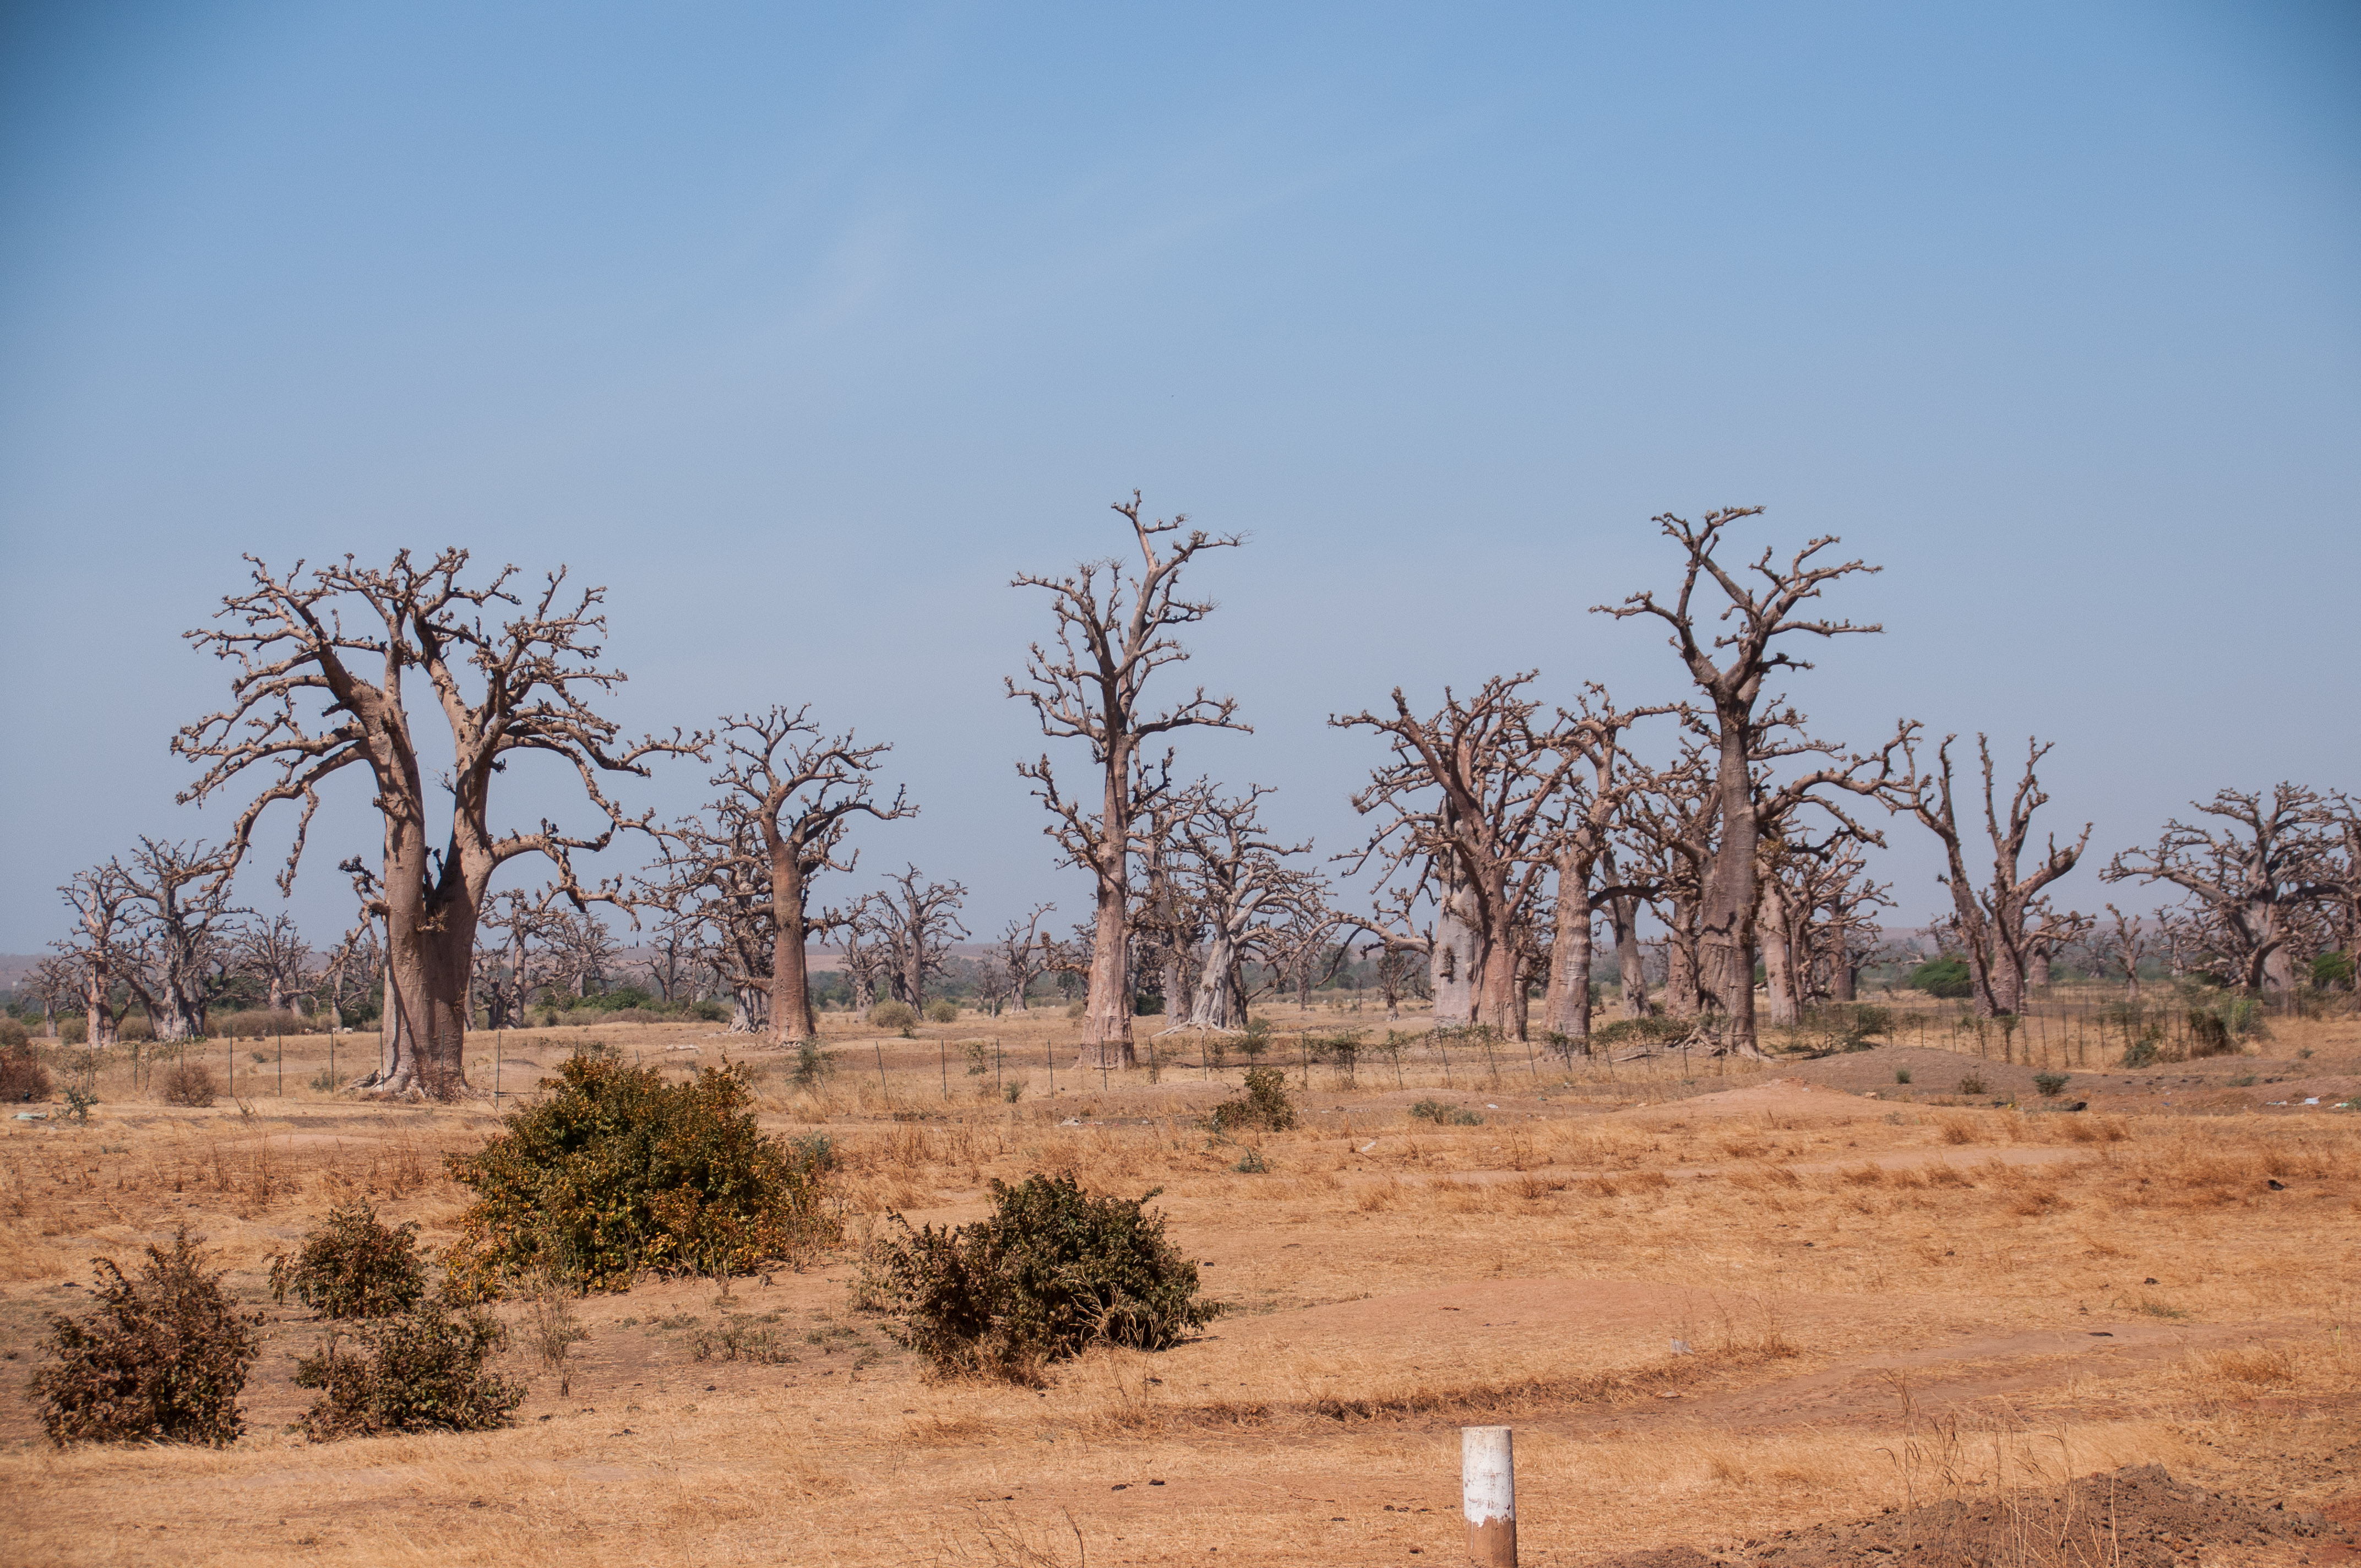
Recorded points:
1487,1491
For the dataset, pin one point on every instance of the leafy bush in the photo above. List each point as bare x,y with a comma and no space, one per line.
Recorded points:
13,1036
891,1014
422,1370
1052,1270
1972,1084
1146,1004
1077,1008
189,1083
1901,1075
1265,1104
353,1267
2142,1053
2333,971
1944,976
811,1065
2051,1085
73,1029
1444,1115
22,1076
943,1010
617,1171
160,1358
1627,1031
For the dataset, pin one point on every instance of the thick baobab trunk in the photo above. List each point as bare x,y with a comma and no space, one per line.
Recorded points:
2036,970
1106,1024
791,1008
1681,997
1631,964
1566,1008
95,1007
1454,961
429,953
1779,956
750,1009
1844,978
1726,926
1219,1002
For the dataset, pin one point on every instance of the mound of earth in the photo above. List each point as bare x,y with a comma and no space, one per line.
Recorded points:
2137,1517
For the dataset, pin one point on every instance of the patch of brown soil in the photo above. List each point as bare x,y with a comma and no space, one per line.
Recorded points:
2137,1517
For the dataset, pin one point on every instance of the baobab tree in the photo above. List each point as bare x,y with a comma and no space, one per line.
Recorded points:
800,790
2001,925
2246,877
1600,780
1669,834
274,952
1730,671
1020,952
1468,792
54,982
1236,876
2126,948
102,945
915,921
299,641
1116,629
180,894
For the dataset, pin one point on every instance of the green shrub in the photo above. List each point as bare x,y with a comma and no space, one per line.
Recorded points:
160,1358
1947,976
189,1083
1901,1075
892,1014
1972,1084
2142,1053
1444,1115
1052,1270
2333,971
1264,1105
353,1267
23,1079
943,1010
617,1172
1627,1031
812,1065
1251,1163
2050,1085
422,1370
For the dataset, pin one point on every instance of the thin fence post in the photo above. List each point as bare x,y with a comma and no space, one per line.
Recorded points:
500,1049
280,1039
943,1048
1050,1054
880,1043
1488,1493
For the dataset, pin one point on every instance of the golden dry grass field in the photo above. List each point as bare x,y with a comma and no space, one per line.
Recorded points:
1889,1293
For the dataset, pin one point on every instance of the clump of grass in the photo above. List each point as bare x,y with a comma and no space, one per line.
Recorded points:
1901,1075
189,1083
1251,1163
550,1329
891,1014
2050,1084
162,1358
1972,1084
1446,1115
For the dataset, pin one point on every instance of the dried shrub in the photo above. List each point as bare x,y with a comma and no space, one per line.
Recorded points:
1052,1270
22,1076
261,1024
162,1358
943,1010
1264,1105
13,1036
189,1083
617,1172
1444,1114
550,1329
890,1015
1972,1084
353,1267
419,1371
2050,1085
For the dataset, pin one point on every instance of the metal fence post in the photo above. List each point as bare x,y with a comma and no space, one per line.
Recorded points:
1487,1490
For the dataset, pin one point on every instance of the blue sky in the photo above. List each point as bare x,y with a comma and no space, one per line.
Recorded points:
802,328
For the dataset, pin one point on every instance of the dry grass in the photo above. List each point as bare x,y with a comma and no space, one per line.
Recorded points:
1879,1301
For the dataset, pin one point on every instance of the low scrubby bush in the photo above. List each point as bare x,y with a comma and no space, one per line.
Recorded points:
420,1370
617,1172
1264,1104
1631,1031
892,1014
160,1357
1972,1084
73,1029
943,1010
352,1266
1052,1270
261,1024
13,1036
2050,1085
1444,1115
23,1079
189,1083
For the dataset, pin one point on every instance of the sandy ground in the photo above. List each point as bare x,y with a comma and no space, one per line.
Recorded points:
1714,1303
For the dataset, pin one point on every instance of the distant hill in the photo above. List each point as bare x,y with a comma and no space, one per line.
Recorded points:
15,967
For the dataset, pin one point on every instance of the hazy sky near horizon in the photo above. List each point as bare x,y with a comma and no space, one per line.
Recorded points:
801,328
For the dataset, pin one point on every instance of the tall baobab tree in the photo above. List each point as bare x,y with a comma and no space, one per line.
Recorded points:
915,921
102,945
1998,924
1020,952
1601,779
2247,876
1115,628
274,952
1468,792
2126,947
345,638
1236,877
182,895
800,790
1730,670
54,982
